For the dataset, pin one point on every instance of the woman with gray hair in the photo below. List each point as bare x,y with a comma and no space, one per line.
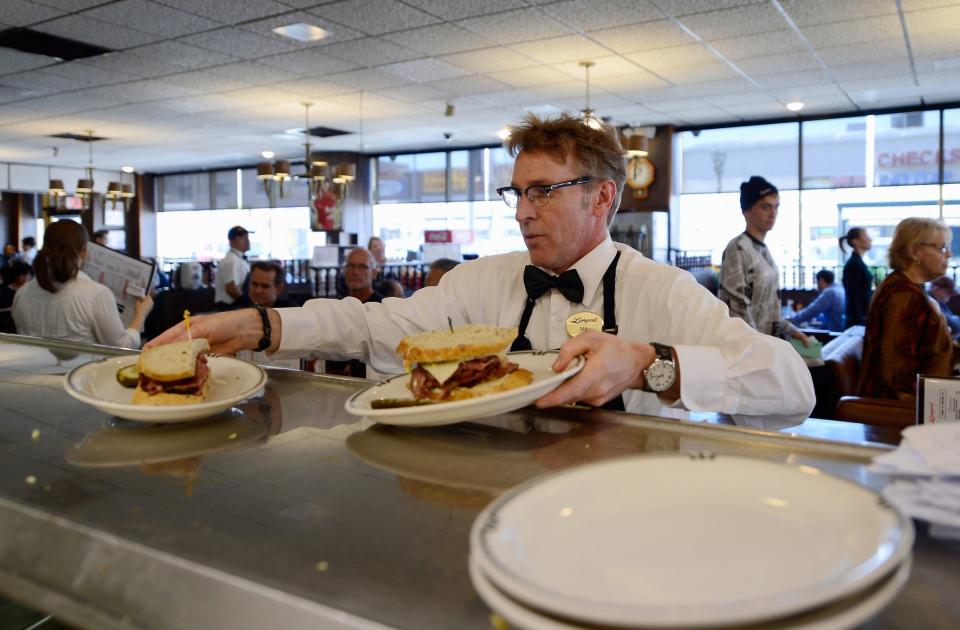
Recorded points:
906,334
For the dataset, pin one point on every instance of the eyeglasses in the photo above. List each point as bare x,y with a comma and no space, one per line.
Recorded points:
538,194
356,267
944,249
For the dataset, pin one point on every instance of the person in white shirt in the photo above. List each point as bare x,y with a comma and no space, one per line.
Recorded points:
232,270
62,302
28,250
667,344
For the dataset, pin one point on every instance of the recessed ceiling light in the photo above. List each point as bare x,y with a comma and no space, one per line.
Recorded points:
126,169
795,106
302,32
266,154
504,133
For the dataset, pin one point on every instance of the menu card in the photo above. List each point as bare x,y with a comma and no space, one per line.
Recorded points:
938,400
128,278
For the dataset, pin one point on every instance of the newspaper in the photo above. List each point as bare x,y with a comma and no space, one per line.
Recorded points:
128,278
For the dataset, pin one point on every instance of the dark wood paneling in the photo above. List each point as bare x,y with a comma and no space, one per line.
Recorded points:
658,197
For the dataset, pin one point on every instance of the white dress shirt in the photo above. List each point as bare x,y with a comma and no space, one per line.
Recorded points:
81,310
725,365
233,268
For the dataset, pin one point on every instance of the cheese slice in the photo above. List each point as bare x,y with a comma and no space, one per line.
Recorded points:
441,371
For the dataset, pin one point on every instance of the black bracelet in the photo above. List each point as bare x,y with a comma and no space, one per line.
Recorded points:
267,329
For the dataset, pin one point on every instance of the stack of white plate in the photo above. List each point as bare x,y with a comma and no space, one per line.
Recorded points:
689,541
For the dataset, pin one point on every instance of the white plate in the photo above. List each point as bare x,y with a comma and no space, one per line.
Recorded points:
846,613
95,383
537,361
687,540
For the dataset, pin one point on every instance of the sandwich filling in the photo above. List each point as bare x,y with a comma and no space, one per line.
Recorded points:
427,380
191,385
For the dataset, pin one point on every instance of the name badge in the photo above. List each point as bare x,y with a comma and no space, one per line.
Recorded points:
584,320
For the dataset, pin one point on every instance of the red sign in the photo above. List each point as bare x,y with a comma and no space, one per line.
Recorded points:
437,236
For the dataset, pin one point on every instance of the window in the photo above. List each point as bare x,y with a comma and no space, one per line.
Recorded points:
190,191
907,149
466,175
951,147
718,160
835,153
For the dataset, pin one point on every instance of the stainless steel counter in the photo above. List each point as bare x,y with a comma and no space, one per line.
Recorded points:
289,513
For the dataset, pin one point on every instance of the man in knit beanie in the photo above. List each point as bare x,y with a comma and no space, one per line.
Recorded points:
749,279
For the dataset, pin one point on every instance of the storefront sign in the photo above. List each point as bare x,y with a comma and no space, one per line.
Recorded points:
437,236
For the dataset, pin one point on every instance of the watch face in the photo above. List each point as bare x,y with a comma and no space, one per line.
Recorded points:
660,376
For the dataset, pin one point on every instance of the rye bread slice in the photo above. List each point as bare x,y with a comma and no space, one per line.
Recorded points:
464,342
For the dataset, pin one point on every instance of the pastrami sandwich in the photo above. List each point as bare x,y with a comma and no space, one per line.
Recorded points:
173,374
463,362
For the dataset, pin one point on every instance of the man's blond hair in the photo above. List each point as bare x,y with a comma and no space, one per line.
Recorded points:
597,151
911,232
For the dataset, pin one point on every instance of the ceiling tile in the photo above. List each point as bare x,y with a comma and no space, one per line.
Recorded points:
182,54
854,31
69,6
877,70
737,98
933,21
649,36
240,43
458,9
516,26
918,5
686,7
793,79
150,18
465,86
375,16
252,72
15,61
857,53
590,15
697,74
42,81
806,92
263,95
735,22
88,74
810,12
527,77
311,88
421,70
23,13
772,43
130,64
236,11
205,81
945,44
560,49
627,81
796,61
489,60
414,93
312,62
673,57
439,39
366,79
609,66
205,103
370,51
92,31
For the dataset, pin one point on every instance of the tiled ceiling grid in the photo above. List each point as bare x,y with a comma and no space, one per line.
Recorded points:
206,83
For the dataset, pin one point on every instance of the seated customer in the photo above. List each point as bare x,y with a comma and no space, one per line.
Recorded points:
942,289
358,273
267,284
829,305
62,302
14,275
437,268
906,335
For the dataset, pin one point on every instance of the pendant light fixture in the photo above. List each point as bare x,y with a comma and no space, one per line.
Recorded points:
587,115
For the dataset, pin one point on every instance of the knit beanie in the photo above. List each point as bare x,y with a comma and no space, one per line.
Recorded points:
753,190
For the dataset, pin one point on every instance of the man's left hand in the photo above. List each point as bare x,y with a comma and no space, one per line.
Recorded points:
613,365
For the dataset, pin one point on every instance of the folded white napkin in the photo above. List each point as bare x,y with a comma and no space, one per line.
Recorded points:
926,467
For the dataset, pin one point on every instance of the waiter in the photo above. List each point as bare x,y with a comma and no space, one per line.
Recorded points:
649,332
232,270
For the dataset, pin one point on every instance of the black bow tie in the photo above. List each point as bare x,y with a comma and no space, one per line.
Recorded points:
537,282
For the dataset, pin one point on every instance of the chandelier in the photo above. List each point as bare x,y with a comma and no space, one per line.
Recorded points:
588,117
324,182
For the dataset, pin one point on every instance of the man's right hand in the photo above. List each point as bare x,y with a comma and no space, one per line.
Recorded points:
227,333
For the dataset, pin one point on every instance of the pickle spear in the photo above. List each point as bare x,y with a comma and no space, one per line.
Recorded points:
128,376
